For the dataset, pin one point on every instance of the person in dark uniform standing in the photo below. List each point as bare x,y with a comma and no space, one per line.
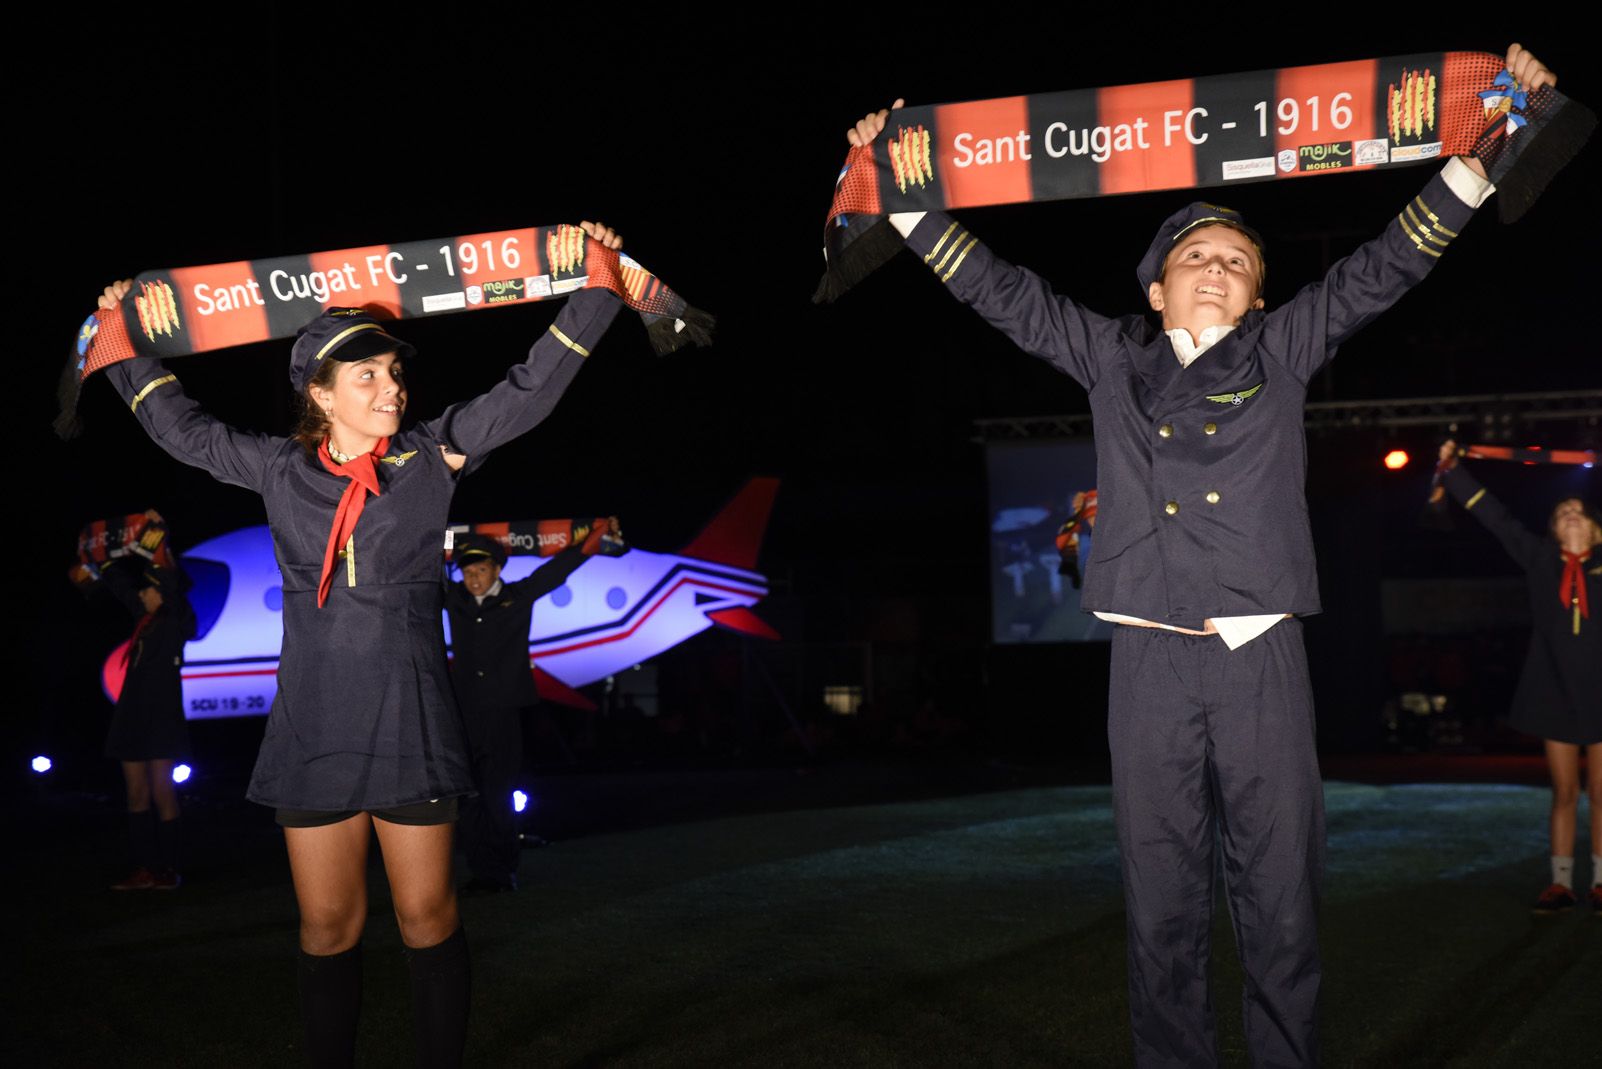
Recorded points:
364,735
148,734
1559,696
1204,555
490,623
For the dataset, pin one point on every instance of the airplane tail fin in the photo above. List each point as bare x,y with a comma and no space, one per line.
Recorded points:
743,620
552,689
734,536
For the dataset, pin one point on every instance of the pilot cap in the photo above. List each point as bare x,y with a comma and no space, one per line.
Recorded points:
476,549
1198,213
345,334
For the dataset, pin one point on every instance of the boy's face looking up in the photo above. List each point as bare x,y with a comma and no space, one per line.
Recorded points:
1212,276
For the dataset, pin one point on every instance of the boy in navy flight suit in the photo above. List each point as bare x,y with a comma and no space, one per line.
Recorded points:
1204,554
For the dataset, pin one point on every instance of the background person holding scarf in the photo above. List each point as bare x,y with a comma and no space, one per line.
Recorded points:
1204,557
364,734
1559,696
490,623
148,734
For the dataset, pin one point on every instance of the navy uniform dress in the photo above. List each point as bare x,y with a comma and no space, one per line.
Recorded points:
364,717
1559,696
1202,514
148,721
489,643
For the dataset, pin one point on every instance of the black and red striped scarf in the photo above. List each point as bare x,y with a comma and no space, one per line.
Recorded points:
186,310
1296,122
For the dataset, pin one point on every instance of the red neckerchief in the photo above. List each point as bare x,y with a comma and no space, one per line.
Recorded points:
139,629
362,471
1571,588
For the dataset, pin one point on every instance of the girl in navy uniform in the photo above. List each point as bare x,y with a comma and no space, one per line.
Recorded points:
364,734
148,734
1559,696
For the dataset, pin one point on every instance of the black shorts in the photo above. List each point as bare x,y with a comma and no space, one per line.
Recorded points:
439,811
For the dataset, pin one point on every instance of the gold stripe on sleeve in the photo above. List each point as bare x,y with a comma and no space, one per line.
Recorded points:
569,342
1475,500
1434,219
941,266
133,406
1424,229
1417,241
939,243
960,257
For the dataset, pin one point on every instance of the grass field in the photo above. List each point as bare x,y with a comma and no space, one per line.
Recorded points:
980,929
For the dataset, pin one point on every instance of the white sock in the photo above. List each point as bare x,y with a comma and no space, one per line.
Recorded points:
1563,871
1596,870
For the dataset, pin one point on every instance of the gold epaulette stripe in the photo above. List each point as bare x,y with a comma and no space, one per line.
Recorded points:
941,265
1442,242
939,243
1401,221
960,257
1434,219
133,406
569,342
1475,500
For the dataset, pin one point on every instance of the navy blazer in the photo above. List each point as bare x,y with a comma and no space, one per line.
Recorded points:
1201,470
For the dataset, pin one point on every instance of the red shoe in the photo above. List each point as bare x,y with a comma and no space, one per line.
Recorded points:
1555,899
167,880
140,879
1595,899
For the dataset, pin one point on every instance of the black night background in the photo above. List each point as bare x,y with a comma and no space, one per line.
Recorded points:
152,139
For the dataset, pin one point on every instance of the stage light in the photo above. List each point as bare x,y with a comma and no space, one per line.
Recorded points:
519,801
1396,459
41,764
180,773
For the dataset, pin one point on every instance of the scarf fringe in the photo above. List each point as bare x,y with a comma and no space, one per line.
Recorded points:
1532,169
861,254
669,334
67,423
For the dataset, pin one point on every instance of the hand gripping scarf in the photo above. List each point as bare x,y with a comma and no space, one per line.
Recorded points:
1291,123
187,310
363,475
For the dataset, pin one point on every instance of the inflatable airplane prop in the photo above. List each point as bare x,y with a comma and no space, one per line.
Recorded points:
611,614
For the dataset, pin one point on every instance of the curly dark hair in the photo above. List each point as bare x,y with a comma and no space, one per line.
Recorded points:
311,422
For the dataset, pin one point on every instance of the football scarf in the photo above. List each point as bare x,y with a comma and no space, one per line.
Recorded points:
104,541
187,310
1296,122
547,538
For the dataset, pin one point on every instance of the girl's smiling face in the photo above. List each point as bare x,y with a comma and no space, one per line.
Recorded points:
365,403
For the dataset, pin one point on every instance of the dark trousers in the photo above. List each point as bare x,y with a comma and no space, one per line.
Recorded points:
488,825
1211,746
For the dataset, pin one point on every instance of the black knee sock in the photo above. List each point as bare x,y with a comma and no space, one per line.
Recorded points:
330,1003
170,840
440,990
142,837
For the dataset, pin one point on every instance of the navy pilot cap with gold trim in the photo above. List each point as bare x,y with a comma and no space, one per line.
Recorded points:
344,334
1197,213
475,549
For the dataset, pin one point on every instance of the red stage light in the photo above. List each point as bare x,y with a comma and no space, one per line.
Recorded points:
1396,459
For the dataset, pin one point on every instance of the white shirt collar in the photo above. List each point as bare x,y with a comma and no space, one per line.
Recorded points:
490,593
1187,349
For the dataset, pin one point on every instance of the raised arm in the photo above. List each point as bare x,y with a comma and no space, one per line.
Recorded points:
1522,544
1014,300
177,423
531,389
1361,286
